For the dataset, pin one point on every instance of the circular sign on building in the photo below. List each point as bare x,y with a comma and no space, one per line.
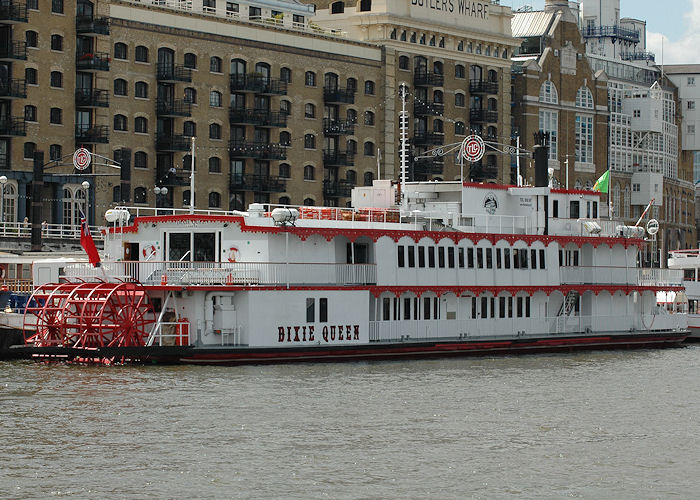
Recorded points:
473,148
81,159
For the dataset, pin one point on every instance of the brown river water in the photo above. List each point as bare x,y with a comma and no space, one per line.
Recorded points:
618,424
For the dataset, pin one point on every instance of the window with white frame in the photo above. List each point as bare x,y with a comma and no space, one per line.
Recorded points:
584,139
548,93
549,122
584,98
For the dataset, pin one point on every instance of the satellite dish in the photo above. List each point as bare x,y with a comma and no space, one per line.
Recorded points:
652,226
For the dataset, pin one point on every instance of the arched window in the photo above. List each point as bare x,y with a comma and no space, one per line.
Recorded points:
140,159
309,141
284,200
57,43
140,195
404,62
285,107
351,177
214,165
190,95
548,93
116,194
55,152
369,87
215,99
120,86
437,68
285,171
369,118
189,129
186,197
31,76
215,64
491,133
368,178
492,104
214,131
475,72
263,69
309,173
351,84
584,98
438,96
616,200
31,38
141,54
121,51
30,113
626,204
190,60
460,71
309,110
214,200
309,202
285,138
286,75
57,79
351,115
9,206
141,90
238,67
310,79
432,41
187,163
438,126
351,145
459,100
140,125
493,75
460,129
420,64
369,148
120,122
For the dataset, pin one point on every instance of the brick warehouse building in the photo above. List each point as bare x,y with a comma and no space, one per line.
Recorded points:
284,109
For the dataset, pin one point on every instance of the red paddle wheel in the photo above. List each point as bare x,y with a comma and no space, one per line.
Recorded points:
89,315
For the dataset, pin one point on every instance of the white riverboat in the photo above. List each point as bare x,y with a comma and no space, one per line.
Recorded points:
459,268
688,300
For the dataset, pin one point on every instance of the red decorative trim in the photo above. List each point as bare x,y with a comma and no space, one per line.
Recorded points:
353,234
576,191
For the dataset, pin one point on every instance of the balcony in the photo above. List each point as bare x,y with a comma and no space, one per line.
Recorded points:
483,116
90,25
641,55
13,88
173,73
13,12
258,150
172,142
167,176
428,109
257,117
424,78
257,182
422,138
12,126
91,134
483,87
423,167
14,51
173,108
338,158
338,127
337,189
92,61
91,98
336,95
611,31
257,84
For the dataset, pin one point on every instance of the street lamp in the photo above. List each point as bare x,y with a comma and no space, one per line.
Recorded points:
3,181
160,191
86,187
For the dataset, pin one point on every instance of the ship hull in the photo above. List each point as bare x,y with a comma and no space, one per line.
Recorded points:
374,351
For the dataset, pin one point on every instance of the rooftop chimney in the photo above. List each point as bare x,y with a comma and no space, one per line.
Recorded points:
555,5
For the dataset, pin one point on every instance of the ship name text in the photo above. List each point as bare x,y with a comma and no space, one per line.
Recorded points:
308,333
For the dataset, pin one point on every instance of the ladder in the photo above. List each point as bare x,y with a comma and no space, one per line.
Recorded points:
569,303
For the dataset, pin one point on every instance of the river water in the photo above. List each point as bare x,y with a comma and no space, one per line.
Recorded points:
619,424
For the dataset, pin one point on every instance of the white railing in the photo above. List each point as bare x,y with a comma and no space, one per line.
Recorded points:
523,327
615,275
567,227
501,224
228,273
169,334
57,231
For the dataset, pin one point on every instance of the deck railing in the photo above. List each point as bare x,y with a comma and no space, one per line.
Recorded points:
228,273
499,328
57,231
615,275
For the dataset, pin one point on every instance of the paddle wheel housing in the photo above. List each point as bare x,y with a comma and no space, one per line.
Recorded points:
88,315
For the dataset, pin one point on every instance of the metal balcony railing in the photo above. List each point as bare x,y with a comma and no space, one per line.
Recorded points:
613,32
257,182
422,138
168,72
92,61
424,78
91,98
173,107
428,108
338,127
14,50
338,158
642,55
172,142
258,84
483,87
87,25
13,88
13,11
258,150
257,117
483,116
337,95
86,134
336,189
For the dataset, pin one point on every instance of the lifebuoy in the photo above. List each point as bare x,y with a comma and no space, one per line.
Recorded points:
149,250
233,251
3,271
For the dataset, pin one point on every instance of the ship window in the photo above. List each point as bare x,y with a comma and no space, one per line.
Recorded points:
436,308
401,256
451,257
489,258
473,307
555,208
431,256
426,307
499,262
527,307
421,256
386,308
516,258
501,307
519,308
411,256
204,246
441,256
406,308
573,210
178,246
470,258
480,258
595,209
460,257
510,307
493,307
533,259
415,308
360,252
323,310
310,310
484,307
542,259
396,308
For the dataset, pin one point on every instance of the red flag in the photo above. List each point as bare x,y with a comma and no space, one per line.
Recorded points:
88,243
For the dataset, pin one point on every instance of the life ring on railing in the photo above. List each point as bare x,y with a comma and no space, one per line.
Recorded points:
233,254
148,251
3,271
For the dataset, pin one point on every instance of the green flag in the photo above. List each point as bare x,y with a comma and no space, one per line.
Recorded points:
602,183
